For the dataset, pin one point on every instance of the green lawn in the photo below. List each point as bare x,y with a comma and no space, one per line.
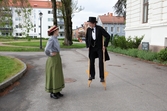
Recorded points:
8,40
35,45
9,67
20,49
27,43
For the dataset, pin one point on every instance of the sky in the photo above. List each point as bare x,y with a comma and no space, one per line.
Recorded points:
92,8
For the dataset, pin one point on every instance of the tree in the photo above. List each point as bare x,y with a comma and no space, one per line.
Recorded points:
67,13
26,25
68,8
24,11
54,7
120,8
5,18
22,8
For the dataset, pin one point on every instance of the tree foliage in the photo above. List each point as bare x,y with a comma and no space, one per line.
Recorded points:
67,8
5,17
120,8
23,10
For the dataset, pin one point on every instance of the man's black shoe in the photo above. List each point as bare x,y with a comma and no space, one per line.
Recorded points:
102,80
91,78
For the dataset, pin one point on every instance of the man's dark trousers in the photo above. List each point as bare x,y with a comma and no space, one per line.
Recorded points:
94,53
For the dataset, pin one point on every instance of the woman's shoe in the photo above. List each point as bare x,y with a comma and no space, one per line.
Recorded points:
59,94
54,96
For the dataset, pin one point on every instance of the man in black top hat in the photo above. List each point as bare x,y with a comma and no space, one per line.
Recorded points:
94,41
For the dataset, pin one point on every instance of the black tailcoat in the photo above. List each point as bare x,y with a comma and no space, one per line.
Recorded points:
100,32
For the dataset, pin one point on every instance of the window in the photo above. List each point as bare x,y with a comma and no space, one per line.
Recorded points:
59,12
145,11
49,27
18,34
34,29
61,27
50,19
49,12
112,29
5,34
17,26
118,29
18,19
106,28
59,19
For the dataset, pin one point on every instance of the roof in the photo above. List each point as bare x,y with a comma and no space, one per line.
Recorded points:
38,4
109,18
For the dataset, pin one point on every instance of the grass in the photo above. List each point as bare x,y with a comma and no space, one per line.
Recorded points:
34,45
7,40
27,43
74,45
19,49
9,67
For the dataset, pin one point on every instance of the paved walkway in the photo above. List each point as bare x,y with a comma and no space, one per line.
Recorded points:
132,85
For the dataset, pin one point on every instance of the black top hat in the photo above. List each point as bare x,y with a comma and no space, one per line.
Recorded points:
92,20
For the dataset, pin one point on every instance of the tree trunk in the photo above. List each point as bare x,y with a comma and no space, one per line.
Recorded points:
67,21
54,8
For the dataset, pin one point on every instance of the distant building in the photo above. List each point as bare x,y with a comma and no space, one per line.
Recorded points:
112,24
47,20
79,33
148,18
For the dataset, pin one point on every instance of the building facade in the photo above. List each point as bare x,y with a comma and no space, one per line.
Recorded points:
39,28
114,25
148,18
6,27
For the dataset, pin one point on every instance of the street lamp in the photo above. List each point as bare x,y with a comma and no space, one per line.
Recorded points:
40,16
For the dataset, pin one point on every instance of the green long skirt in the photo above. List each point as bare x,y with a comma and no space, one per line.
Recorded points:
54,74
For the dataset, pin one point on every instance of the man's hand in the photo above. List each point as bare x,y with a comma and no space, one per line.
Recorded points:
104,47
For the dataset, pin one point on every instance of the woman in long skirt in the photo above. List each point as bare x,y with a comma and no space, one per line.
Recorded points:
54,73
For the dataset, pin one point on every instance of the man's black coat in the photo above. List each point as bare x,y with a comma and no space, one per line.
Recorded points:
100,32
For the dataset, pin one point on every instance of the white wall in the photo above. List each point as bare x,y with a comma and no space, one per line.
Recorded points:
155,30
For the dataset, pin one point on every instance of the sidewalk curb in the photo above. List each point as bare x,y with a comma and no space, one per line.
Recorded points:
14,78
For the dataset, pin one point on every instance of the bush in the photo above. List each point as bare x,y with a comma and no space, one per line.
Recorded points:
162,55
119,41
137,41
129,42
123,43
